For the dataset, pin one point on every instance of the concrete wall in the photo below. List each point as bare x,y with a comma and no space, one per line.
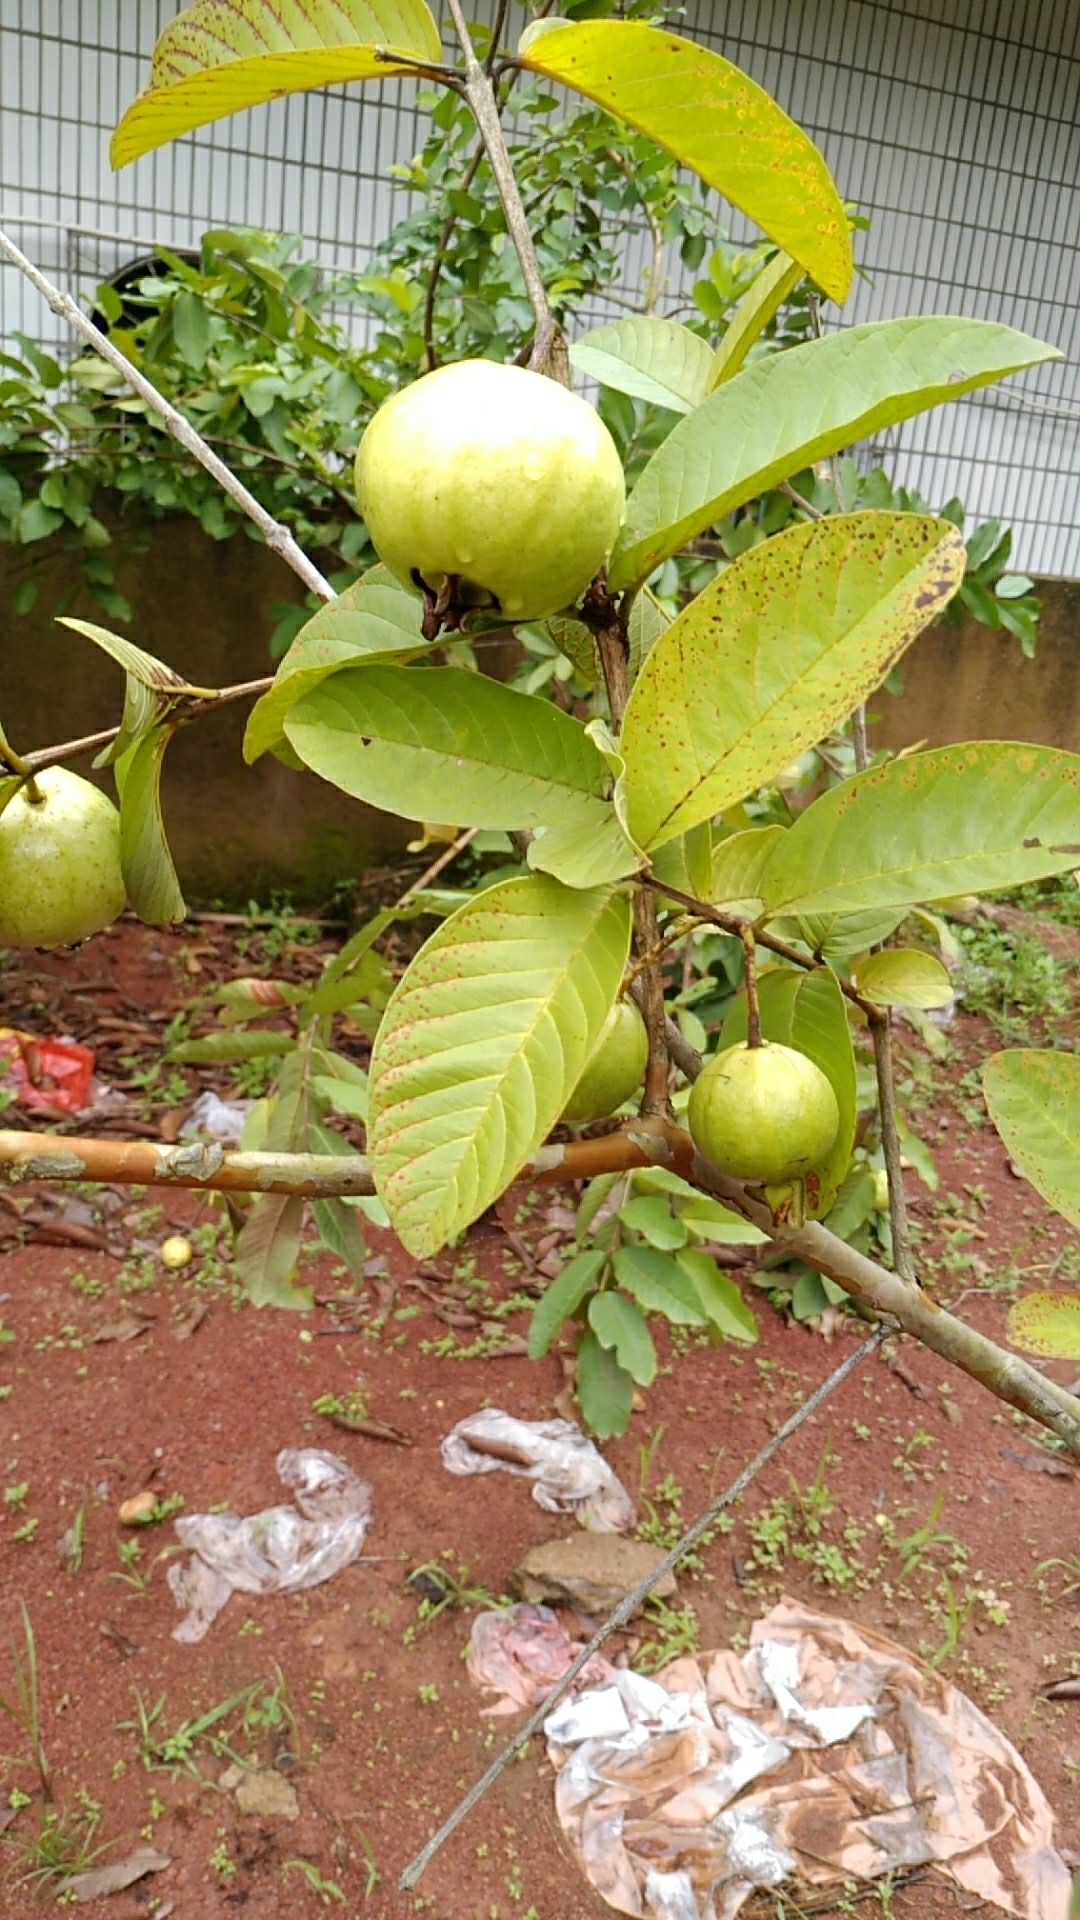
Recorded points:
237,831
203,606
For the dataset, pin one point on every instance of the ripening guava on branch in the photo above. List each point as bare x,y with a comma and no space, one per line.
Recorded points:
498,477
614,1068
765,1114
60,877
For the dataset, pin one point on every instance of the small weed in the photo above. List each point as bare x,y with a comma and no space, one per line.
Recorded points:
61,1847
442,1588
73,1544
221,1861
180,1750
676,1631
1012,979
328,1890
23,1706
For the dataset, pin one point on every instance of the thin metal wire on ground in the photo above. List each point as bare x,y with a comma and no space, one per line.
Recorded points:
630,1603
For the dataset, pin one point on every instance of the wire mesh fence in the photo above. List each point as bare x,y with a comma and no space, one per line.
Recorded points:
958,136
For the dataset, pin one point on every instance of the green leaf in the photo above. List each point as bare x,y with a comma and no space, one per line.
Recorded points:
149,874
440,744
563,1298
655,360
481,1045
651,1216
191,327
143,667
343,1096
715,120
728,1312
1034,1099
647,622
709,1220
214,1049
620,1325
605,1390
370,620
660,1285
573,638
787,410
341,1233
752,316
1046,1323
736,864
267,1251
903,977
686,862
806,1011
36,521
836,936
213,60
962,819
775,652
584,852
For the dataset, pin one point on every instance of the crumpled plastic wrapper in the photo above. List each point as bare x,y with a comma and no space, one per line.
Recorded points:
280,1550
825,1753
569,1475
223,1120
519,1653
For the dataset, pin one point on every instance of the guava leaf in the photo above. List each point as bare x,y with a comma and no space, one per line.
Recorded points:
585,852
267,1250
562,1298
736,864
903,977
371,620
1048,1324
774,652
836,936
660,1285
151,688
215,1049
573,638
1034,1099
806,1011
752,316
620,1325
605,1390
647,622
686,861
728,1312
789,409
652,359
961,819
438,743
149,874
222,56
481,1045
716,121
650,1215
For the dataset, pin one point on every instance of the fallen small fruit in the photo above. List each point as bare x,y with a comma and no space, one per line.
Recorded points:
60,877
614,1068
139,1511
765,1114
176,1252
498,477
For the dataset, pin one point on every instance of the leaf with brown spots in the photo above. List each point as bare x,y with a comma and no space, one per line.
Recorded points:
1034,1099
221,56
772,654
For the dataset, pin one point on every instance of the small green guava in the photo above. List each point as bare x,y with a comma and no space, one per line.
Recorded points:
881,1190
496,476
614,1068
765,1114
60,876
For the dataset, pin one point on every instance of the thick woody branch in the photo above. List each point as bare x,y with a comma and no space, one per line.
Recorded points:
647,1142
277,537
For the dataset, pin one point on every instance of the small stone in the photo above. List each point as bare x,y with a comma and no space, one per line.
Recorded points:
593,1571
266,1793
139,1510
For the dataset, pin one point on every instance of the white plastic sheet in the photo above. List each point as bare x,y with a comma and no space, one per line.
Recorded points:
568,1473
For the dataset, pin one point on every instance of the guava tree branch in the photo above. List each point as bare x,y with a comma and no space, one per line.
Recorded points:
647,1142
191,709
277,537
479,91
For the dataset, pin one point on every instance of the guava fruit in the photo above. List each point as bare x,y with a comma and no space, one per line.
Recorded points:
765,1114
881,1190
614,1068
60,877
496,476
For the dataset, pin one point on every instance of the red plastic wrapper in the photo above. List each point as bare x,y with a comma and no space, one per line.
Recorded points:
55,1074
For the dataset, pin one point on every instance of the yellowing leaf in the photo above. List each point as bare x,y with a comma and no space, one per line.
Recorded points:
1034,1099
1047,1323
772,654
715,120
752,316
221,56
904,977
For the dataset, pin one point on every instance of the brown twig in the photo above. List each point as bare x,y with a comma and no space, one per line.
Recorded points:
753,1011
180,716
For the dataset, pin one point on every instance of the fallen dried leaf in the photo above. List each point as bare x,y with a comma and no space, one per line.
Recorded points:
128,1327
123,1873
1063,1689
1039,1463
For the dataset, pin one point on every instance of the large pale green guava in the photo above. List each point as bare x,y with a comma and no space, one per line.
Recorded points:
614,1068
498,476
60,878
765,1114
